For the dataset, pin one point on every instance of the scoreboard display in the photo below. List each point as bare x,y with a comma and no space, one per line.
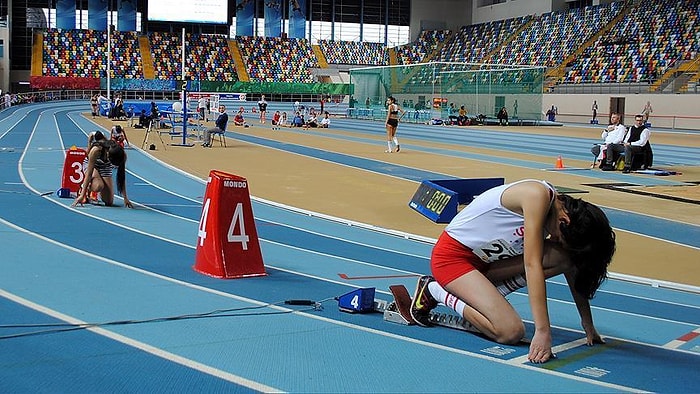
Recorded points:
438,200
431,200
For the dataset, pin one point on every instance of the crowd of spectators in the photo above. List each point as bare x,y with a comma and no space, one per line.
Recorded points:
646,40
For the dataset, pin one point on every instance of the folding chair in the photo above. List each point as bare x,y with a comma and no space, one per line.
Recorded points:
222,137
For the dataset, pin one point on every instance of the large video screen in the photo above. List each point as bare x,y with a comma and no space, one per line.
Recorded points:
194,11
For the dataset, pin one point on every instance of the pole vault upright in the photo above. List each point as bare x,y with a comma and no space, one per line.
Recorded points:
184,95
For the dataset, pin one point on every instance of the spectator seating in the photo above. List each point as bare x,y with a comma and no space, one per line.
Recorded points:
352,52
426,43
472,43
273,59
82,53
207,57
650,38
653,37
555,35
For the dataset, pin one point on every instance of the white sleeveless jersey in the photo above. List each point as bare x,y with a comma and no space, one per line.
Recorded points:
490,230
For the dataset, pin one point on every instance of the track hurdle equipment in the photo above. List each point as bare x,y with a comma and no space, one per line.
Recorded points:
227,240
72,176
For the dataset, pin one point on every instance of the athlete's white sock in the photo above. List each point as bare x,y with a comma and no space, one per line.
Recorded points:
388,144
396,141
446,298
512,284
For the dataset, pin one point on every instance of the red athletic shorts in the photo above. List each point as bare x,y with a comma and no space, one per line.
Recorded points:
450,260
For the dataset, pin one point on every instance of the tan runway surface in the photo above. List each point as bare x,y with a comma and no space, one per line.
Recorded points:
382,200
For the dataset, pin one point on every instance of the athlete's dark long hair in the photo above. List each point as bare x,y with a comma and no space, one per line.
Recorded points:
113,152
590,242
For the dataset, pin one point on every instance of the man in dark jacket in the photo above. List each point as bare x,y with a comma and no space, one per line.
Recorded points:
220,127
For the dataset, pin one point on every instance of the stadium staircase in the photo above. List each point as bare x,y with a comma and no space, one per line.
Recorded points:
555,74
676,79
238,60
488,57
322,62
693,73
413,70
37,55
149,71
393,61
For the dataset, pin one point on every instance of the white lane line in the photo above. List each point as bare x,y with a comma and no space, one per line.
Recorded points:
311,316
144,347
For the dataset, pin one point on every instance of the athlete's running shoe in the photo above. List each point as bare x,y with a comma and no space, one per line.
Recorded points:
398,148
423,302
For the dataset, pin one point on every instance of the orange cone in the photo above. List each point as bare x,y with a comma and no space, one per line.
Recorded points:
560,163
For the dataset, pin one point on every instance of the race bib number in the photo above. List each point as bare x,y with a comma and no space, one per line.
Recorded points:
496,250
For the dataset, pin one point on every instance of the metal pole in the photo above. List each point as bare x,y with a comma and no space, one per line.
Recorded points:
184,92
109,61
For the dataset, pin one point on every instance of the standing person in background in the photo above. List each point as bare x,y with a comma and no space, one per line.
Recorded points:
647,112
202,108
392,123
94,106
262,106
594,108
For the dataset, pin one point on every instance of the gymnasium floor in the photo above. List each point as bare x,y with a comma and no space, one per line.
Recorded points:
98,299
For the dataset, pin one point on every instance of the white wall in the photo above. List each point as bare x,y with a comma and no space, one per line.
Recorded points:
5,60
439,14
509,9
670,110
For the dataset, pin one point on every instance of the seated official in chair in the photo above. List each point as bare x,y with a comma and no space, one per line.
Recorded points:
220,127
612,137
636,143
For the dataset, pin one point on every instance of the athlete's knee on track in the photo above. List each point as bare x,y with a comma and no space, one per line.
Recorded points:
510,333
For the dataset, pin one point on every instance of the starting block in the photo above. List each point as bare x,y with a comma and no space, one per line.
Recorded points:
359,300
399,311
